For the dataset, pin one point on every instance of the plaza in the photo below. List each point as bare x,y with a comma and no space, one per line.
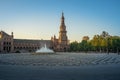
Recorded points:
59,66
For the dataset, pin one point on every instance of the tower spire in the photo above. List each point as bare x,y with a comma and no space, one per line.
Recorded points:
62,19
62,14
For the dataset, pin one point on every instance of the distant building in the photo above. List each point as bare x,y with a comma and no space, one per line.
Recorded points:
9,44
85,38
61,43
6,42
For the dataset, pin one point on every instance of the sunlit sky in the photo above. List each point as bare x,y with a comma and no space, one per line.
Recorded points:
40,19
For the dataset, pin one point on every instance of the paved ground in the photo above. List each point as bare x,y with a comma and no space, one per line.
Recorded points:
15,72
60,59
60,66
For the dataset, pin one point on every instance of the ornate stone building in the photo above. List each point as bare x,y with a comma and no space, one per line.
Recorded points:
9,44
6,42
62,43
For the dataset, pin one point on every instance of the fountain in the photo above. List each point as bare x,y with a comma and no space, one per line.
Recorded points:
44,50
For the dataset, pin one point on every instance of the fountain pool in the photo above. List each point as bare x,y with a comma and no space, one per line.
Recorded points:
44,50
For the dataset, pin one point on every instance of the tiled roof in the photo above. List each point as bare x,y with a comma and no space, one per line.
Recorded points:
4,33
30,41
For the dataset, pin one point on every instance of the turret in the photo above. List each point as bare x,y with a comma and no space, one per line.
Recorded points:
12,34
54,37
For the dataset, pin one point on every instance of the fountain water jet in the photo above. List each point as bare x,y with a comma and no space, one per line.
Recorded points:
44,50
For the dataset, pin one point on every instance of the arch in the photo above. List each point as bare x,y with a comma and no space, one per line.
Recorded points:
65,49
17,51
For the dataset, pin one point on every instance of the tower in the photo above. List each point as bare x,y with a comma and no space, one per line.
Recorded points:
61,44
63,40
62,32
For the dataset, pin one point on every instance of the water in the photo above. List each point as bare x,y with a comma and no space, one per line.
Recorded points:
44,50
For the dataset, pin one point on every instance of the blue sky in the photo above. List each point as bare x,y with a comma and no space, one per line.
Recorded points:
40,19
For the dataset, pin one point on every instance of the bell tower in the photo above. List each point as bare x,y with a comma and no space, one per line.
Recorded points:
63,39
62,32
62,43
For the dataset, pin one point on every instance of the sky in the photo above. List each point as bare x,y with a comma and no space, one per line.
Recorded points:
40,19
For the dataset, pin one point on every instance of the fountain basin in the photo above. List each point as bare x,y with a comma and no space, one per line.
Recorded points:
47,53
44,50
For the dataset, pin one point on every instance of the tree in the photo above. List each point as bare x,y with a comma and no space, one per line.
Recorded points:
99,43
74,46
116,44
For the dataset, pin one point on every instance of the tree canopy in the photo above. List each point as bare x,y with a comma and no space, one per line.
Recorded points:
99,43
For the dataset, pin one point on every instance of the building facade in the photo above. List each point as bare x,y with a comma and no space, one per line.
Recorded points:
61,43
8,44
